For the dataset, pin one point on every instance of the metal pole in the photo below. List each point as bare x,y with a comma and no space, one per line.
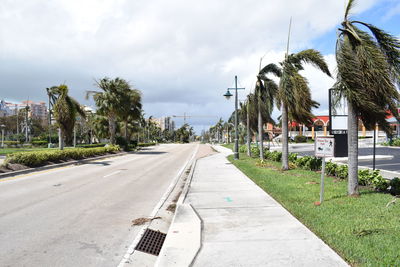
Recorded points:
321,195
2,137
49,123
236,152
374,150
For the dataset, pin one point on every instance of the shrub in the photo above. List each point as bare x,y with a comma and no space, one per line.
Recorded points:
38,158
243,149
11,143
300,139
121,141
394,186
255,151
331,168
396,142
91,145
342,171
309,163
275,156
146,144
293,157
39,143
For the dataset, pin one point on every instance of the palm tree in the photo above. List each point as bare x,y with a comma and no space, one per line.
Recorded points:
294,96
65,110
219,127
116,101
266,90
368,71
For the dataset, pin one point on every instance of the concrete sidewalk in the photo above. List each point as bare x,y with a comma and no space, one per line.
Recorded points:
244,226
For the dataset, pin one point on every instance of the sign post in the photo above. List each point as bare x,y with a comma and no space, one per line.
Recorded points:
324,147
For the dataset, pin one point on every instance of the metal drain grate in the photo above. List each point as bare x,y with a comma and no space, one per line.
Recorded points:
151,242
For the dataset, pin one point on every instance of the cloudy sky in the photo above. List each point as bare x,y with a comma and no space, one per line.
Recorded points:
181,54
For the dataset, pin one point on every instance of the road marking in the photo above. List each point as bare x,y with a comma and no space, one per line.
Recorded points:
108,175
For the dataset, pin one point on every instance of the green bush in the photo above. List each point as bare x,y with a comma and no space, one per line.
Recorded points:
372,178
39,143
255,151
300,139
309,163
342,172
331,168
39,158
293,157
91,145
396,142
394,186
11,143
243,149
146,144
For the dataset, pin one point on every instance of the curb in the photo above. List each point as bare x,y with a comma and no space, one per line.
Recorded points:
57,165
183,241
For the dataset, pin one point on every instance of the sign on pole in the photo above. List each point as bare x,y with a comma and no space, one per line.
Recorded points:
324,147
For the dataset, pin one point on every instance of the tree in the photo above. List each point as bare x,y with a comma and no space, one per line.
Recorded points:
294,96
116,101
265,91
65,111
368,72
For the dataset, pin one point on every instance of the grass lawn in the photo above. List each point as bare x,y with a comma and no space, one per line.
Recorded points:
362,230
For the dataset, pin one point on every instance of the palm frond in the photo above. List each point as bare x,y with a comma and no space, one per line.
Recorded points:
310,56
349,7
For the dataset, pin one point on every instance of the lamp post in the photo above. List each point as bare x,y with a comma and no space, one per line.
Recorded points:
227,96
2,135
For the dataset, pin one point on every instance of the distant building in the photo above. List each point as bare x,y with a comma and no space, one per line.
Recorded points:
36,109
165,123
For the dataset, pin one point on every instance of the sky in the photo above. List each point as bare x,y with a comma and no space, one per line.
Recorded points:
181,54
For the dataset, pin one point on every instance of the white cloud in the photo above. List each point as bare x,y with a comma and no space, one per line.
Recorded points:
182,54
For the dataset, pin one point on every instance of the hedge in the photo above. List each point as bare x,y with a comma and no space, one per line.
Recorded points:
146,144
34,159
91,145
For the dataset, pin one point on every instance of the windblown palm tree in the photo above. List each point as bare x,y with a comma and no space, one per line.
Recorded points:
368,71
65,110
265,91
116,101
294,96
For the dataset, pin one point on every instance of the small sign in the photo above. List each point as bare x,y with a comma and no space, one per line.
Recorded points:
324,147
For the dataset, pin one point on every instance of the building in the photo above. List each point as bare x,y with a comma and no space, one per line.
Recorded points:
165,123
37,109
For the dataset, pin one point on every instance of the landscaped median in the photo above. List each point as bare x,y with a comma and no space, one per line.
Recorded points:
365,230
40,158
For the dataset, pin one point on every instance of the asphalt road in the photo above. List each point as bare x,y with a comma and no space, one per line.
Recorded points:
387,164
81,215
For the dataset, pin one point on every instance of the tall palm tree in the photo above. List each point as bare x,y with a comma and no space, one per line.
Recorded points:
266,90
368,71
294,96
219,127
65,110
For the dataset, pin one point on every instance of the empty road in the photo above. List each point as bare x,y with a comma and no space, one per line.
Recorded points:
81,215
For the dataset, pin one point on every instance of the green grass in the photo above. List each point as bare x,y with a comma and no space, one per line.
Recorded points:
362,230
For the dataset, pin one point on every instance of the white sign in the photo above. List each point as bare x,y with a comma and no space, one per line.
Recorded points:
324,147
339,122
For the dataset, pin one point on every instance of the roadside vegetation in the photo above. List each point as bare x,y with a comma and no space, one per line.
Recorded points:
364,230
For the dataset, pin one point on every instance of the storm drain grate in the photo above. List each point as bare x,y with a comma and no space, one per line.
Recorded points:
151,242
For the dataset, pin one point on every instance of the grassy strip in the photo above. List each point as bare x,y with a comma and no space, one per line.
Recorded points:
34,159
362,230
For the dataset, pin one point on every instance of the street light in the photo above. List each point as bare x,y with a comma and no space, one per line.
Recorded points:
2,135
228,95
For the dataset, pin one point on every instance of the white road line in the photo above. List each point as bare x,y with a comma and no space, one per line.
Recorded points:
108,175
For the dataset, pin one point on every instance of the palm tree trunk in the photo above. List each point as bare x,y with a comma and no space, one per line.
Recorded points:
112,128
60,139
352,122
260,132
126,131
248,132
285,141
